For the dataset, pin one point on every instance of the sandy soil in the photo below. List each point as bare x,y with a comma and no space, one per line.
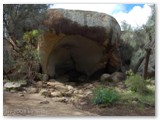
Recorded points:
16,104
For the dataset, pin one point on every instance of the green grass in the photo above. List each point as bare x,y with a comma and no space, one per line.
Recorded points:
131,97
103,95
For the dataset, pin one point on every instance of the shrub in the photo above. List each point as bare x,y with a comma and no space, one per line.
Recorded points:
30,45
136,83
103,95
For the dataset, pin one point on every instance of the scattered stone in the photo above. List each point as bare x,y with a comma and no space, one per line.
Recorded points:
118,76
45,93
33,90
63,99
61,88
14,85
12,91
80,96
55,84
90,86
67,94
89,92
44,102
70,88
42,91
39,84
75,92
56,94
105,77
80,92
21,95
83,103
74,99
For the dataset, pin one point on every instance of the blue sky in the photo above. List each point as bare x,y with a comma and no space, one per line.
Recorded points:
134,14
127,7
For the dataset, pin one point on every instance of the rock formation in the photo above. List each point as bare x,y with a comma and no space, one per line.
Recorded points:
81,41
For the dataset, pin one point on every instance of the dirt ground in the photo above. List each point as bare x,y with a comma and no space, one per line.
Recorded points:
120,110
36,105
25,104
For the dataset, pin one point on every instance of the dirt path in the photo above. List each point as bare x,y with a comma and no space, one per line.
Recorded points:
36,105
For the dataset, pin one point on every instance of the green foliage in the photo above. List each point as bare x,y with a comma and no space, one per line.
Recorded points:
136,83
30,44
31,35
128,96
103,95
19,18
139,37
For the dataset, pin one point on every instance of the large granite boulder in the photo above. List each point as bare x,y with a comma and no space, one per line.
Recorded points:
81,41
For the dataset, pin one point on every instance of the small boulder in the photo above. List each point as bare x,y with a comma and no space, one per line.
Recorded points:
62,99
118,76
45,93
14,85
56,94
67,94
105,77
70,88
53,84
33,90
39,84
61,88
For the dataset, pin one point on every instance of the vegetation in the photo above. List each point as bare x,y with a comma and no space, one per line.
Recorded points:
30,52
137,92
20,18
103,95
136,83
22,27
137,39
21,30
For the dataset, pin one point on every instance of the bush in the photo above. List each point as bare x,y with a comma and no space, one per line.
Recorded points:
30,45
136,83
103,95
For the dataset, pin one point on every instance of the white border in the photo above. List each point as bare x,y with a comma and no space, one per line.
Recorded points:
81,1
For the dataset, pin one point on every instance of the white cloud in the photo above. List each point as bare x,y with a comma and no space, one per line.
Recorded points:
136,17
105,8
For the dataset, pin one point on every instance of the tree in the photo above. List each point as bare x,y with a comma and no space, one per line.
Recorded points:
21,23
142,40
19,18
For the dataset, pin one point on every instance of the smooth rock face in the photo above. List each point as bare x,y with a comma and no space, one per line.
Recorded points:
80,41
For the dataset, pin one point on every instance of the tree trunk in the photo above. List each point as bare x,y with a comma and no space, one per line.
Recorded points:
148,52
145,73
